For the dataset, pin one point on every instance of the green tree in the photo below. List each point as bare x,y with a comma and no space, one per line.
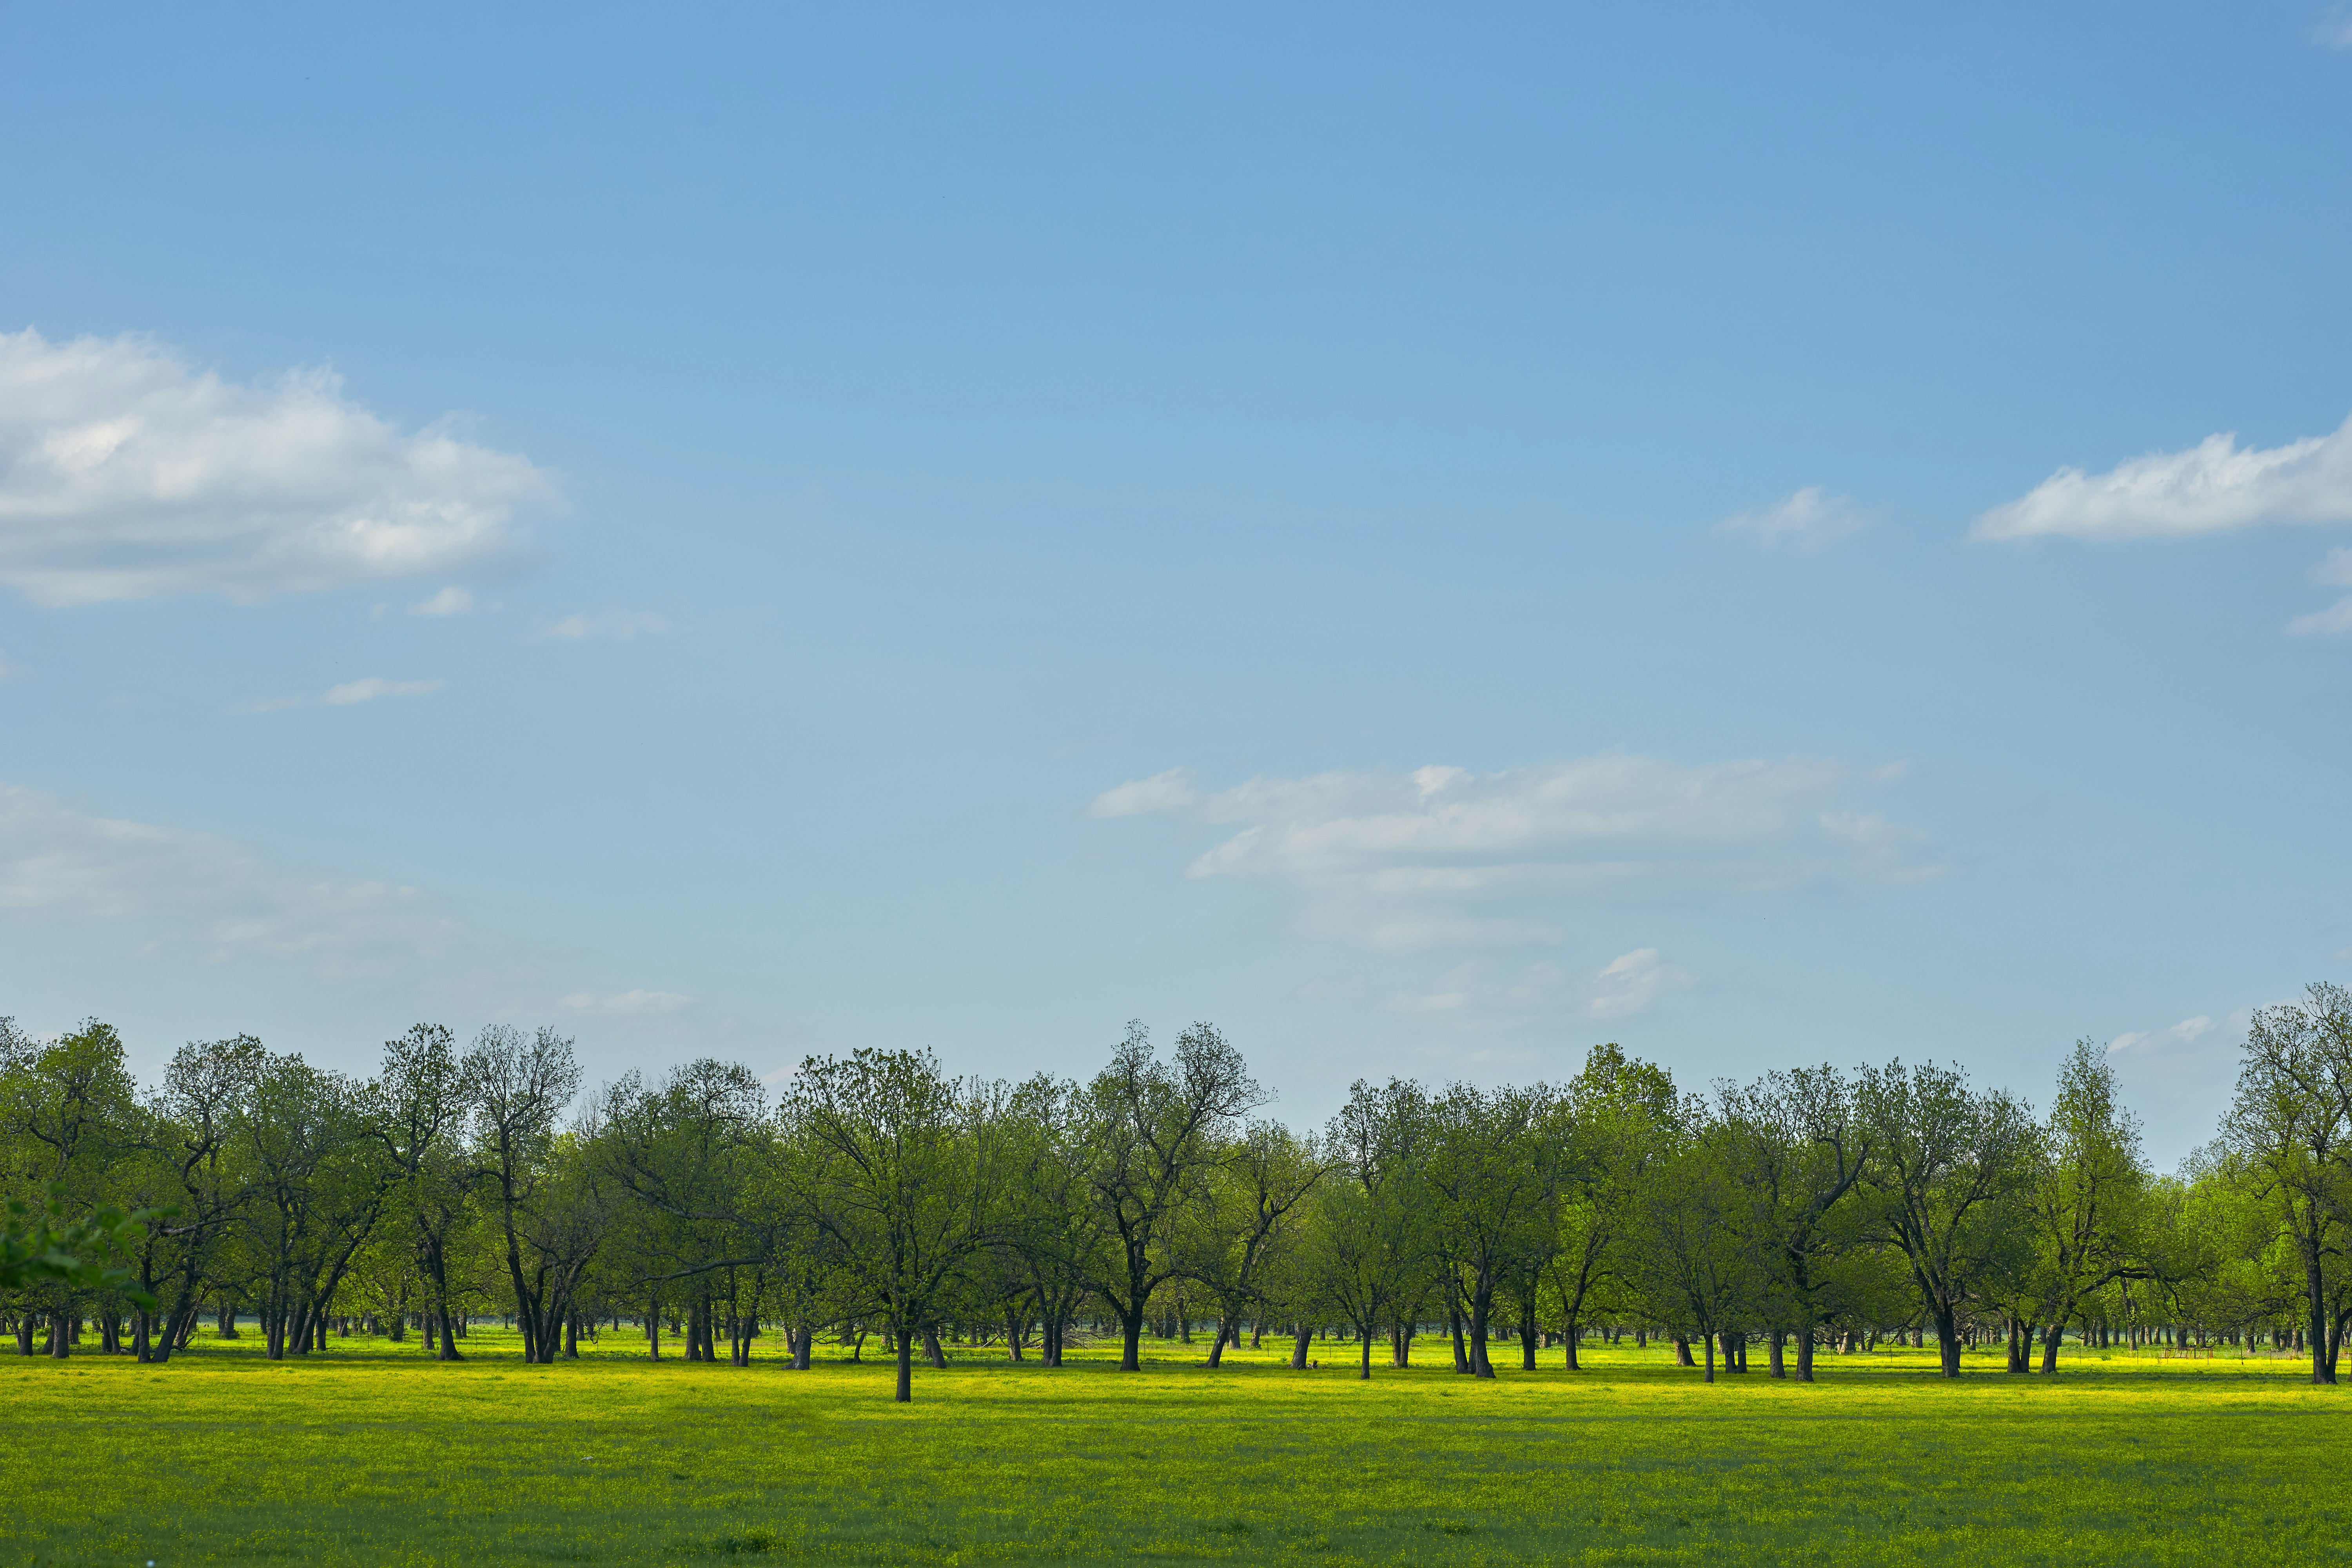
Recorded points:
1157,1129
907,1180
2288,1130
1947,1161
2087,1197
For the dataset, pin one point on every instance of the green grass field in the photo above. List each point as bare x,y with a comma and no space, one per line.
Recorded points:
371,1456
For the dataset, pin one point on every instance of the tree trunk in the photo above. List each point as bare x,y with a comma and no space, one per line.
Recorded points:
1947,1340
1226,1328
2323,1365
1779,1340
1130,1327
1568,1339
1527,1333
932,1353
1482,1303
1706,1345
1683,1355
906,1346
1298,1348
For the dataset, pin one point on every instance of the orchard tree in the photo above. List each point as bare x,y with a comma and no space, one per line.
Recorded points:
1158,1129
906,1177
1946,1164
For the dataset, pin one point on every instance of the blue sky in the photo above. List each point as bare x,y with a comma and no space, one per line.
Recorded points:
1428,540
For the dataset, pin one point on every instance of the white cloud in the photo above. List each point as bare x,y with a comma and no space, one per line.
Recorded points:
1806,521
2210,488
447,602
1466,990
1171,791
1444,856
605,626
126,473
2332,621
370,688
200,893
365,689
1629,983
2188,1031
654,1001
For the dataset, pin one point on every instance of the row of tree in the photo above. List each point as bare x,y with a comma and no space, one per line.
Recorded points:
1810,1207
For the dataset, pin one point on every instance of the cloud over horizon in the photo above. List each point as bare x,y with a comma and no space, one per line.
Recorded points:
126,473
1444,856
200,893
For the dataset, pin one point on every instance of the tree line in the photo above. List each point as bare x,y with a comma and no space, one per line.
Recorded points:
1809,1210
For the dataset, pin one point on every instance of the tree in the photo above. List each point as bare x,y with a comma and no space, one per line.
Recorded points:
1156,1132
1491,1183
521,1086
1051,1222
908,1168
1372,1225
2086,1196
699,1153
1946,1160
428,1100
1796,1146
1623,1113
320,1179
2288,1129
1701,1262
206,1095
1251,1205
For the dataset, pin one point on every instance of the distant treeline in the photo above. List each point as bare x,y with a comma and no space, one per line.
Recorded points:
876,1193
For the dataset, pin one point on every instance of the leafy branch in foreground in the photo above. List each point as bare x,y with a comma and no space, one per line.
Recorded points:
42,1245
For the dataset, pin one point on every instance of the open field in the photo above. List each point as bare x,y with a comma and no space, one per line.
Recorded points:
371,1456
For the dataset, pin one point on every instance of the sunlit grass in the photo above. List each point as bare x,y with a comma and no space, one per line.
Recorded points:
371,1455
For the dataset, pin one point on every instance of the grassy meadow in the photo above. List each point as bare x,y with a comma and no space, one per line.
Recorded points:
370,1454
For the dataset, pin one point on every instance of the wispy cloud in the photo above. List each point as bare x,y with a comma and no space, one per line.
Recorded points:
126,473
1628,984
447,602
365,689
656,1001
1171,791
603,626
2186,1032
369,688
1472,992
1806,521
1444,856
2214,487
206,895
